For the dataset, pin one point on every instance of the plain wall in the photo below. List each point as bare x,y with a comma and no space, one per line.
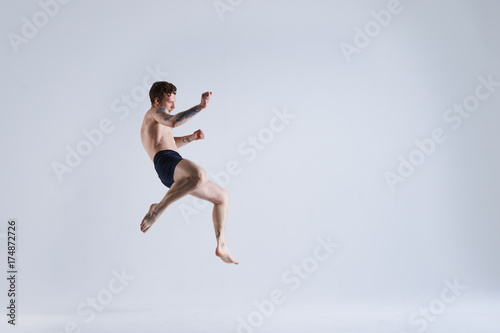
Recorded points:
320,173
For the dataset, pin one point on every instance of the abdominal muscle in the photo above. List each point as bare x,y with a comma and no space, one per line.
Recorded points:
156,137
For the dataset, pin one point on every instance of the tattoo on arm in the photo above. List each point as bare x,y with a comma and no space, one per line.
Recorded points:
186,139
189,113
162,111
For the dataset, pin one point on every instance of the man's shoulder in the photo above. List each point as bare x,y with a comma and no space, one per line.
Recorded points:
150,120
149,114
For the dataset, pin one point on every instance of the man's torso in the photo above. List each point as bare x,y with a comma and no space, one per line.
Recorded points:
156,137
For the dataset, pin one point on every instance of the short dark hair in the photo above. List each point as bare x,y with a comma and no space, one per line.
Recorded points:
161,89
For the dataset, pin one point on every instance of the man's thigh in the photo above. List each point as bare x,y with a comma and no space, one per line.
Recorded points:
186,168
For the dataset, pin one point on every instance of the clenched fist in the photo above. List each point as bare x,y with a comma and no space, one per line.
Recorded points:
198,135
205,98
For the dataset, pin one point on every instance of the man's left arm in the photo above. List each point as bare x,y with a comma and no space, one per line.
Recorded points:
184,140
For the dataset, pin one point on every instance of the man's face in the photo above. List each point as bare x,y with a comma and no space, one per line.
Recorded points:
168,102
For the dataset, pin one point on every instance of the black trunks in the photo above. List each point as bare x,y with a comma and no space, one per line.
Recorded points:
165,162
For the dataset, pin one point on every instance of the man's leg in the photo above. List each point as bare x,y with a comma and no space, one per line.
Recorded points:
187,177
220,198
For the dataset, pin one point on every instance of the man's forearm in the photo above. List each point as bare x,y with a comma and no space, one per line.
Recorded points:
184,116
182,140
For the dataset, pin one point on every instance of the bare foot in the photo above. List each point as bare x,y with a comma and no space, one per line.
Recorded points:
223,252
150,218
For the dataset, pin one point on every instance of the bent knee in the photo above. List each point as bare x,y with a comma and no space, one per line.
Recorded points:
223,197
198,178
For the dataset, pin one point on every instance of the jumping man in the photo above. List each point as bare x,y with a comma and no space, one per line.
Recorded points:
180,175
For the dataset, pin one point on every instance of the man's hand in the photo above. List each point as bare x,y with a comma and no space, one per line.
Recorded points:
198,135
184,140
205,98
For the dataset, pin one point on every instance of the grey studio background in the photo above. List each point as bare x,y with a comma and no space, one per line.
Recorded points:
358,141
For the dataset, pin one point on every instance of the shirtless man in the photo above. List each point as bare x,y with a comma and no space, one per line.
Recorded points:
181,175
